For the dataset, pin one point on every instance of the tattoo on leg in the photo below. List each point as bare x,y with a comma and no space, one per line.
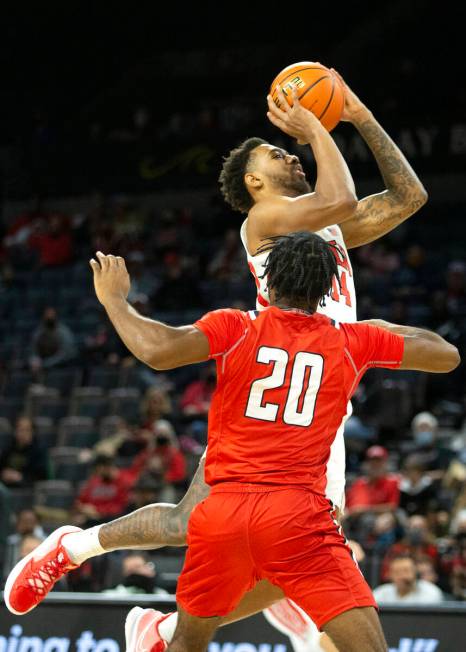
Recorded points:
156,525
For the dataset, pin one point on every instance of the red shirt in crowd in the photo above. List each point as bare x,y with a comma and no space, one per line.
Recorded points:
365,492
108,498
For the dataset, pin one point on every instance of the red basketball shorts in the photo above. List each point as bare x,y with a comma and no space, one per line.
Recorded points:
239,535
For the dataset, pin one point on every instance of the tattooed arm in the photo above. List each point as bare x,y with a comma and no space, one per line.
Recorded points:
156,525
378,214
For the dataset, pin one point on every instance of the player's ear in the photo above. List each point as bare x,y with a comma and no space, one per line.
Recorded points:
253,181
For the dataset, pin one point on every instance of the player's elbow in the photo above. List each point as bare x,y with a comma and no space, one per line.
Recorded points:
344,206
451,359
423,195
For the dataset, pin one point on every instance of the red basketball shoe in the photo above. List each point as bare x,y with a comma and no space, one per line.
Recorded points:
142,630
35,575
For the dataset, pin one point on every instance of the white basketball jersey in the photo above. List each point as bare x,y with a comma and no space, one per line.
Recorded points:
340,305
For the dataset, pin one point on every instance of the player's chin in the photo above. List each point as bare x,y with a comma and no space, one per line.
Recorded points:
301,184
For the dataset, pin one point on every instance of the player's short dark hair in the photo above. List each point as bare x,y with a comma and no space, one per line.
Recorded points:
231,177
300,268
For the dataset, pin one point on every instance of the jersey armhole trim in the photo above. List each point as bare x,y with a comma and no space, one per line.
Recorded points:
371,363
232,348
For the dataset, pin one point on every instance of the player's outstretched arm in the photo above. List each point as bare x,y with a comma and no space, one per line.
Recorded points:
154,343
423,349
334,199
378,214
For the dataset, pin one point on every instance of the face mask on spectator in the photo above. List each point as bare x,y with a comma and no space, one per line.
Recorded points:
146,584
424,437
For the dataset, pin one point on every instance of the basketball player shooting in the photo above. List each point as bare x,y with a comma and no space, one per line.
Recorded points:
257,174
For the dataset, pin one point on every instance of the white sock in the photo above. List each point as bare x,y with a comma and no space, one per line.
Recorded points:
82,545
167,627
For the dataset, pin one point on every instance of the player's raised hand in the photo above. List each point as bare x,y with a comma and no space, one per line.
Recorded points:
294,120
353,109
111,278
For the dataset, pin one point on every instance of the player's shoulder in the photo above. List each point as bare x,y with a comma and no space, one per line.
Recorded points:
266,209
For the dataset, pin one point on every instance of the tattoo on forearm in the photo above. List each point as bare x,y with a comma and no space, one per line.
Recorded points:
405,194
398,175
156,525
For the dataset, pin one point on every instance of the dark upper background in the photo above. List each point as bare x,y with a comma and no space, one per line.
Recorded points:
76,78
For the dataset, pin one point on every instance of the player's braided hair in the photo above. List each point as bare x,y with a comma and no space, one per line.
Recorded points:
300,267
231,177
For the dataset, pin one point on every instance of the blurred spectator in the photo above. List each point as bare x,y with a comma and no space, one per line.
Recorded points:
179,290
458,573
196,398
456,287
417,542
229,262
155,405
53,344
163,451
405,585
378,491
27,523
104,495
138,576
19,233
386,531
24,461
426,570
28,544
424,429
418,491
143,280
149,489
54,243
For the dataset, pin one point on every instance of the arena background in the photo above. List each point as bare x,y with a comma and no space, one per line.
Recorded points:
114,124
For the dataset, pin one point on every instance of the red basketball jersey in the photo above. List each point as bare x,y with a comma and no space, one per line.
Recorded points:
284,381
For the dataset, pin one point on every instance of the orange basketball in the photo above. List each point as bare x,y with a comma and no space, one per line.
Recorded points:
319,90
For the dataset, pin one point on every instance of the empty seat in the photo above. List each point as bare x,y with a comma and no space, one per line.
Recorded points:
21,498
11,408
17,384
47,405
124,401
79,431
104,377
65,380
57,494
46,431
65,464
89,402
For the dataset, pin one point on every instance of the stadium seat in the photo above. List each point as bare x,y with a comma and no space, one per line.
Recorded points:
77,431
88,402
65,380
124,401
17,384
46,431
104,377
46,402
21,498
11,408
65,464
58,494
